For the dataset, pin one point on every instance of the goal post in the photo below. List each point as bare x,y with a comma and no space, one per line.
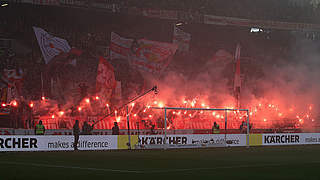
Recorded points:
165,144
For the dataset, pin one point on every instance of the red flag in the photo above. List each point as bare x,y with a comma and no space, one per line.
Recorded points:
105,82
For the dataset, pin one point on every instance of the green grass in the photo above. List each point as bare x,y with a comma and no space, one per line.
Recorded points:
286,162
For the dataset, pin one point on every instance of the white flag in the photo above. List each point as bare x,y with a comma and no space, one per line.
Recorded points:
181,38
50,45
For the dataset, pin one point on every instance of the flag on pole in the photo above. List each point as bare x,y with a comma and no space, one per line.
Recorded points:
105,82
237,78
181,38
147,55
50,45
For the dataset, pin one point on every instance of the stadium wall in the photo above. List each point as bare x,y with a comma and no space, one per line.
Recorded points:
113,142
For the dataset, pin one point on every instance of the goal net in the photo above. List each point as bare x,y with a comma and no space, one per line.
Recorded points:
196,128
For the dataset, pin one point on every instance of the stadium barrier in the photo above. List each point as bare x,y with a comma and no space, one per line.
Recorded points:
109,142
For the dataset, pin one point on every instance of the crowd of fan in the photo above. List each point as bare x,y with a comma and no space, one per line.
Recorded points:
88,30
286,10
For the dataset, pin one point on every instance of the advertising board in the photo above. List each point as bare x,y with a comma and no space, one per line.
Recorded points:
56,143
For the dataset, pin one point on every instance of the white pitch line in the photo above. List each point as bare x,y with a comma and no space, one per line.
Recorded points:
152,171
229,167
70,167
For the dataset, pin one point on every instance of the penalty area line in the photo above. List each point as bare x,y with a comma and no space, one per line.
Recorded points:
70,167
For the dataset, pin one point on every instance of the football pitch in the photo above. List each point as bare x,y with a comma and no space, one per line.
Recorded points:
278,162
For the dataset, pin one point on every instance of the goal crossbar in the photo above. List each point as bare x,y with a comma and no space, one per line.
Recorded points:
200,109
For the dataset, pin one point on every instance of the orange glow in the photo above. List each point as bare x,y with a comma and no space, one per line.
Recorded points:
280,114
107,105
265,120
43,98
155,102
150,116
61,113
87,100
118,119
260,105
135,115
160,105
14,103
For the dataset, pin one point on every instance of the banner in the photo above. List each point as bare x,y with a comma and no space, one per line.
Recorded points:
46,2
190,16
181,38
194,140
110,7
50,46
151,56
161,14
221,20
56,143
106,82
284,139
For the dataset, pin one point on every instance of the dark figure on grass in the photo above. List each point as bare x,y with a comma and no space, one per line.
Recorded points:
115,129
76,132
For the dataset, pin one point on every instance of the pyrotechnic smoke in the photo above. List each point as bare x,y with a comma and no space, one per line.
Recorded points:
280,92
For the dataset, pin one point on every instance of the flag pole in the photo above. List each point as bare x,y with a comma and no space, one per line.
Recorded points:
41,75
237,78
